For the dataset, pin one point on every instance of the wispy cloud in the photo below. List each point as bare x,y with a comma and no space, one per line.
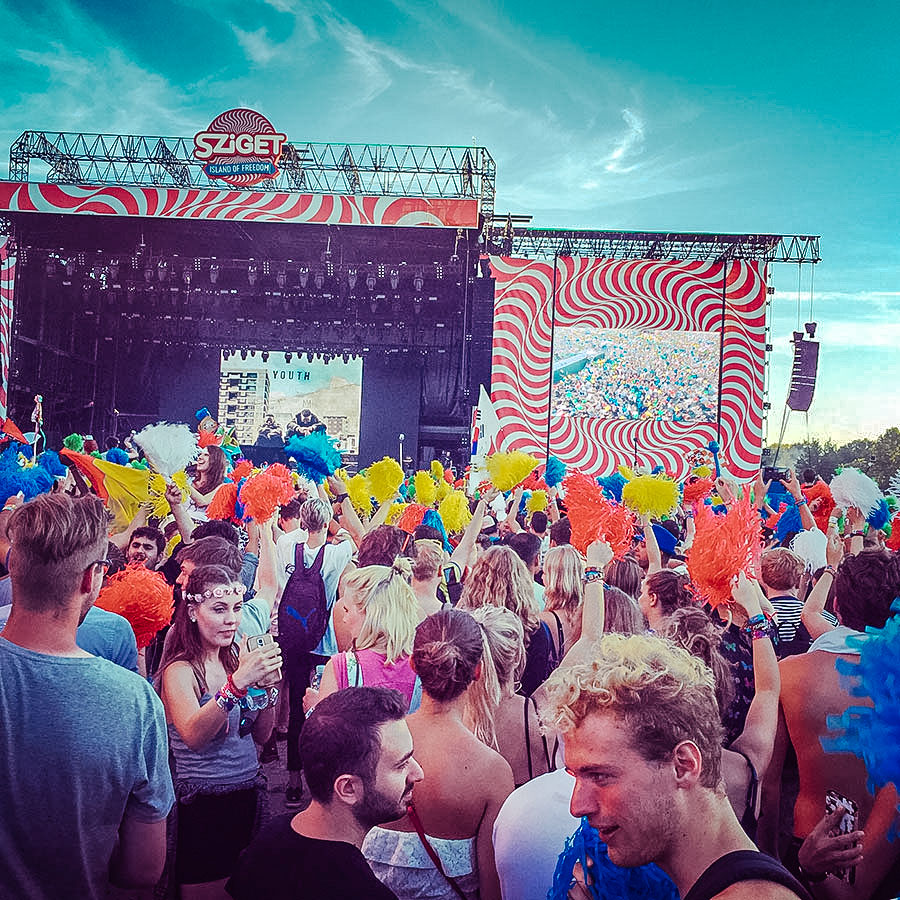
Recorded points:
628,145
256,44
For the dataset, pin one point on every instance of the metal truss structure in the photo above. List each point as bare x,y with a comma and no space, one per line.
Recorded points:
546,243
379,169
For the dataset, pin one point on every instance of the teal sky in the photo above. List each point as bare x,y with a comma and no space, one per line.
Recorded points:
676,116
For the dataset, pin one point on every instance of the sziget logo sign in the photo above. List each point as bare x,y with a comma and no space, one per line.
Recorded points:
241,147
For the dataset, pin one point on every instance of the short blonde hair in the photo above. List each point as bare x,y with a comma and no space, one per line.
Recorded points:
659,691
781,569
428,559
392,611
563,574
500,578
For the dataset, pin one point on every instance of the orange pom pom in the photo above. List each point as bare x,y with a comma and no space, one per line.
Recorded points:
222,504
723,546
534,483
821,503
700,489
594,517
263,493
208,439
141,596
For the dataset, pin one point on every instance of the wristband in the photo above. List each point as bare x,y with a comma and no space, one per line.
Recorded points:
810,877
800,501
340,498
831,570
592,576
223,701
230,686
854,534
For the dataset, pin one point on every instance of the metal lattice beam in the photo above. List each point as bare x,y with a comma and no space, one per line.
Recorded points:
379,169
542,243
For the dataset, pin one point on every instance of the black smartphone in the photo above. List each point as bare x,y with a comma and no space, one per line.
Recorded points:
775,473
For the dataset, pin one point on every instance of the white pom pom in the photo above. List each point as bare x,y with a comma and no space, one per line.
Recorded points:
810,547
850,487
894,484
168,448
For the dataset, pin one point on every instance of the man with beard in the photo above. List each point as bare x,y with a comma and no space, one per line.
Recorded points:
145,547
643,742
357,754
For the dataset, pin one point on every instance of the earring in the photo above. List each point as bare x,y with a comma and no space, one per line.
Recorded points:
193,618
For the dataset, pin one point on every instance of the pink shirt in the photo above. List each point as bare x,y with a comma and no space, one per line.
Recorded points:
376,672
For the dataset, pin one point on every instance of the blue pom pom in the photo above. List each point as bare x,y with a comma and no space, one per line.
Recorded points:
788,522
50,461
880,516
29,480
555,472
612,485
26,450
609,881
316,455
433,519
117,455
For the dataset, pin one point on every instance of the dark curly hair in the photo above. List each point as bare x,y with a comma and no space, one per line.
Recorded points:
865,587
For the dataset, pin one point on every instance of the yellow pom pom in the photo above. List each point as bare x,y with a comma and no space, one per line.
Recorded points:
174,541
395,512
426,489
437,470
650,495
159,505
358,491
702,471
442,490
385,477
626,473
454,512
537,502
507,470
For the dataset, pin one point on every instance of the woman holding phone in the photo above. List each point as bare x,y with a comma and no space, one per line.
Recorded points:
216,705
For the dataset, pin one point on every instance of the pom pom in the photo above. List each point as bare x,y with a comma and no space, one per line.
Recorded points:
723,546
412,517
850,487
537,502
316,455
555,472
157,488
358,492
117,455
74,442
810,547
437,470
263,493
608,881
534,483
697,490
50,461
168,448
433,519
395,513
15,478
821,503
894,484
442,490
454,512
222,505
787,522
873,732
613,485
173,542
425,488
242,469
209,439
594,517
649,495
893,542
141,596
508,470
448,477
385,478
702,471
880,516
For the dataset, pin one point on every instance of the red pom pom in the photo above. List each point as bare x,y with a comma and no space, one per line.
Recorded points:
412,517
893,542
700,489
821,503
593,516
141,596
262,494
723,546
534,483
243,469
208,439
222,504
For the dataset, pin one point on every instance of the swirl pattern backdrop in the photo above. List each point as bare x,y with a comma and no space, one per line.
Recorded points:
620,294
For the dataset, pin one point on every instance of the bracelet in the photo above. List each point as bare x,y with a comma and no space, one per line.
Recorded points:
230,686
340,498
758,627
810,877
592,576
854,534
800,501
223,701
831,570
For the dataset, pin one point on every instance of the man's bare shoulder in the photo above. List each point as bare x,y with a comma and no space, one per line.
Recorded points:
756,890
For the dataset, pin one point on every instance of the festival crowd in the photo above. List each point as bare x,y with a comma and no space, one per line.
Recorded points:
637,375
522,706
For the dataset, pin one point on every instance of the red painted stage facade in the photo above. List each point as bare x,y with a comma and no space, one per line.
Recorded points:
610,294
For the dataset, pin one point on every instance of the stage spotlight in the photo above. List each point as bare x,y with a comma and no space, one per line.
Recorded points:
351,278
288,357
162,270
243,354
798,336
252,273
319,280
304,277
265,356
418,282
326,358
213,273
226,354
252,354
810,329
395,279
370,281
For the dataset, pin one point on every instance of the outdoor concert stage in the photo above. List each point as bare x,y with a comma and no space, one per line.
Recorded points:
128,270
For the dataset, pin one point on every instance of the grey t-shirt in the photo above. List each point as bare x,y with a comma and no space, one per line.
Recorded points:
82,745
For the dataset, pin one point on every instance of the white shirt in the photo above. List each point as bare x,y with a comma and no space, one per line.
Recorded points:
530,832
335,560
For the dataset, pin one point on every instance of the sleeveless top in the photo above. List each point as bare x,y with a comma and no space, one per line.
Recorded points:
227,759
743,865
372,669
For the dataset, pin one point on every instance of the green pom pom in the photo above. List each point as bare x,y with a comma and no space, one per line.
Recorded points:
74,442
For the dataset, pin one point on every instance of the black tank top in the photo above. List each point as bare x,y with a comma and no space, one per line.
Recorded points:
743,865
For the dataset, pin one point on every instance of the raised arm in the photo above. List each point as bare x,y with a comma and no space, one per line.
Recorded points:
349,519
510,521
381,514
123,538
654,557
811,615
179,513
793,487
463,549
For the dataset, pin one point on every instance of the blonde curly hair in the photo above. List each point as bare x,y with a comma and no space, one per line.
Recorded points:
500,578
659,691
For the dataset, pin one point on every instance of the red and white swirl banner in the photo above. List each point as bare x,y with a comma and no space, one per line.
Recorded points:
671,295
239,205
7,284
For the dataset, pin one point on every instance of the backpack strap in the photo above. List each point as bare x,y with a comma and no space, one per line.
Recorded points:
531,701
560,650
354,669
